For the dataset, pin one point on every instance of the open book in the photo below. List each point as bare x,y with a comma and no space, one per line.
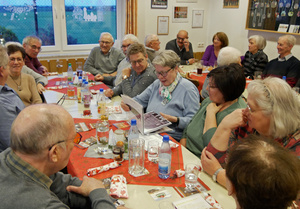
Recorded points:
146,122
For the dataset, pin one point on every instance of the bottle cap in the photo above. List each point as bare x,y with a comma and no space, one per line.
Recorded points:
133,122
69,64
83,80
86,82
101,90
284,77
79,77
166,138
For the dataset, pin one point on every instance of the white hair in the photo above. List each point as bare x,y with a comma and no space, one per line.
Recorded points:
228,55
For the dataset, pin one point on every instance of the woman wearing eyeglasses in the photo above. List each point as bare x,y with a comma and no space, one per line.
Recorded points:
22,83
225,87
172,96
273,111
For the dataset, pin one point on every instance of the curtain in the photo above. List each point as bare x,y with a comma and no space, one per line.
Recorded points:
131,17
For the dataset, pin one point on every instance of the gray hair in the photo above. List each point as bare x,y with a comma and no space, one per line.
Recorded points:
3,57
31,134
131,37
136,48
277,100
290,40
106,33
13,43
228,55
149,38
260,41
167,58
27,39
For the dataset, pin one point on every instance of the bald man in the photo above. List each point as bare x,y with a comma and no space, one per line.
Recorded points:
182,47
42,139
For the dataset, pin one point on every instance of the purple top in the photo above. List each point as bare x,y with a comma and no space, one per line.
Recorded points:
209,56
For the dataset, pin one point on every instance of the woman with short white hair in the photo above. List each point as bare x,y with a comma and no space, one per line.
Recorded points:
255,58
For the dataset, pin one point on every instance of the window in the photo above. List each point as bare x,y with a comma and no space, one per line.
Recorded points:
62,25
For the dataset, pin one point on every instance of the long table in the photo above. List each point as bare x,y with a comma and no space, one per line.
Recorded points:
138,194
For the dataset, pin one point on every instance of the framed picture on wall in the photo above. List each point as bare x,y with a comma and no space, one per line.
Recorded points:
162,25
180,14
230,3
159,4
186,1
197,18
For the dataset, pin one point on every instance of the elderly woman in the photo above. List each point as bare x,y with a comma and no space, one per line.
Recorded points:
255,59
273,111
174,97
253,177
225,86
22,83
211,53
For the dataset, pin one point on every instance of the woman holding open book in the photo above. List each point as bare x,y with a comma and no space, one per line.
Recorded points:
172,96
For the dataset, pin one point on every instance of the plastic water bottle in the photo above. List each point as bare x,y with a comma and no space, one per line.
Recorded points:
70,73
133,131
101,105
86,95
165,155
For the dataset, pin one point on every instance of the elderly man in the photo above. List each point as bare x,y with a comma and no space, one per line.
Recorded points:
42,139
124,64
137,78
32,46
152,45
10,103
182,47
105,59
227,55
286,64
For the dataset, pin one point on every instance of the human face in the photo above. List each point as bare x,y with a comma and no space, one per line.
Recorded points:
215,94
171,74
283,47
256,117
138,62
16,62
181,36
33,48
4,72
155,44
217,43
252,46
105,43
125,45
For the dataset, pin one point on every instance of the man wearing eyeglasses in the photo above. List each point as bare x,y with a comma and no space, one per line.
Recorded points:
32,46
182,47
104,59
112,81
137,78
42,139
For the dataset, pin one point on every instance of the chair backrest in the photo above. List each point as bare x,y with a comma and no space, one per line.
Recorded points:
194,81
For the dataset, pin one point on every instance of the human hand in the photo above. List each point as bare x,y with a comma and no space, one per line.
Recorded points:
183,142
40,88
108,93
170,118
209,162
98,77
212,108
87,186
125,107
45,70
186,44
191,61
235,119
126,71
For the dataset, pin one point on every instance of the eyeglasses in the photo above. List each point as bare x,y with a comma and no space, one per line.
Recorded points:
34,47
249,108
76,140
137,61
181,39
125,46
16,59
163,74
105,42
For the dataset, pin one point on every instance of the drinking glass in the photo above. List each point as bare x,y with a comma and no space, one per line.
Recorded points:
71,92
136,156
153,147
119,135
102,135
257,75
59,67
191,175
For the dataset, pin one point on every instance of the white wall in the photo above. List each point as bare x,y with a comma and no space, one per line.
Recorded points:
231,21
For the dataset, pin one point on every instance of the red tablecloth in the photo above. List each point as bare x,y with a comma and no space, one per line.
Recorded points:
78,164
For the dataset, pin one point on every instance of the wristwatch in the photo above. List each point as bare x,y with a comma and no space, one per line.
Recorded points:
119,203
187,62
214,176
124,77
